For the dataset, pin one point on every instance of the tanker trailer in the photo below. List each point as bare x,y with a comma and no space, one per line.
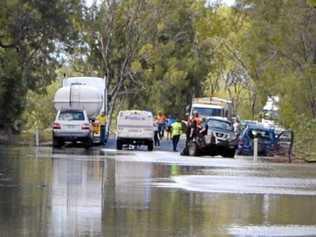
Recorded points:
77,104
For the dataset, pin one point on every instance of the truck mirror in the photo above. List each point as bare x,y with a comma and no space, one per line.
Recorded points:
187,109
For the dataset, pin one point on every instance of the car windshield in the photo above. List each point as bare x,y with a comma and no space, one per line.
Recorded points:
208,112
71,115
213,123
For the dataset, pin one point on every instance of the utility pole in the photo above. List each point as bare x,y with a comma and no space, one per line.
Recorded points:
105,108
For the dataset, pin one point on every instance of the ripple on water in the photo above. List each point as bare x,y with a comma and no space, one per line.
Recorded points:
273,230
243,184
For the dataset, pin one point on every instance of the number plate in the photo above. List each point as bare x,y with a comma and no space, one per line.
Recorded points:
71,126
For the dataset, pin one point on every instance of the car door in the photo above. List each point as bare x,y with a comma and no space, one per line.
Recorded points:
284,143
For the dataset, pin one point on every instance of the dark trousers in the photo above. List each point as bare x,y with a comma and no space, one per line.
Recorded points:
161,130
102,134
156,139
175,141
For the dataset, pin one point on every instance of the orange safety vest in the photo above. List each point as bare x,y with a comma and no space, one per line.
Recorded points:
198,121
161,119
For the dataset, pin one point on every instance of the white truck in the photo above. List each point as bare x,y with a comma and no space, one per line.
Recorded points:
78,103
135,127
212,107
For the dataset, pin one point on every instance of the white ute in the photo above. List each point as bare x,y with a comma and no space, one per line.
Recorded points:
135,127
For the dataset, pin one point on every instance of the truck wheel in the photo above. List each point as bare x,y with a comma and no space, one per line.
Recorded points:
119,145
150,146
192,149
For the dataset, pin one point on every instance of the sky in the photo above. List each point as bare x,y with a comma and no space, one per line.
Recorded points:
227,2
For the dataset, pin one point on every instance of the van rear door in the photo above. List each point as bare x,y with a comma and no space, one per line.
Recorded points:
135,124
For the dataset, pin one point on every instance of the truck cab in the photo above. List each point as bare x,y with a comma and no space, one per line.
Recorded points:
208,107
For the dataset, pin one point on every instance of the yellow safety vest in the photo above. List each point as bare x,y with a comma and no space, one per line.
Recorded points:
176,129
102,119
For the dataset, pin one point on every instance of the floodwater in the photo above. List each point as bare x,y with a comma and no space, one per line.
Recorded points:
73,192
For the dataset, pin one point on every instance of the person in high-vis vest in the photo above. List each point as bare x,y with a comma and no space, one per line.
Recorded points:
176,131
102,120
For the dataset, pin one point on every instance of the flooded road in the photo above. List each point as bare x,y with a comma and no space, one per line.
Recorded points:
73,192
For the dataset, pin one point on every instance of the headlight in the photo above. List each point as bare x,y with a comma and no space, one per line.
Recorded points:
233,136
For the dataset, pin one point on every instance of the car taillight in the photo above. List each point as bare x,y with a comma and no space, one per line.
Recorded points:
85,126
56,126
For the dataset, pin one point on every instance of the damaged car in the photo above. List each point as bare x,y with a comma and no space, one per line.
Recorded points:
217,137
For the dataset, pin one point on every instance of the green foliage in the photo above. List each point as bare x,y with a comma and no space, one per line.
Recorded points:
312,3
282,39
31,35
39,110
158,54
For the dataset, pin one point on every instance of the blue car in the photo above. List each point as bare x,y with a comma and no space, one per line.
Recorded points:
267,140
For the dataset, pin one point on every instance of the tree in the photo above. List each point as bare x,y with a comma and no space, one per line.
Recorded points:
113,36
32,33
282,35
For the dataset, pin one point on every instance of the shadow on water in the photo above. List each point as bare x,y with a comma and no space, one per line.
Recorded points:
74,192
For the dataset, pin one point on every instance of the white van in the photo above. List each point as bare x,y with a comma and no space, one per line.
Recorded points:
135,127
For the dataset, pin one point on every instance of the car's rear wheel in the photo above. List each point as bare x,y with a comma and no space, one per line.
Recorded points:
192,149
88,143
57,143
119,145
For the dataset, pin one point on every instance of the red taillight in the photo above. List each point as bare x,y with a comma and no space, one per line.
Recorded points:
56,126
85,126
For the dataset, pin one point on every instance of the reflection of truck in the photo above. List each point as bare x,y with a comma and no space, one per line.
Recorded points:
77,103
212,106
135,127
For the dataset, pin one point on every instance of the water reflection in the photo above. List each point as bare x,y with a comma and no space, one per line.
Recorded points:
76,193
76,196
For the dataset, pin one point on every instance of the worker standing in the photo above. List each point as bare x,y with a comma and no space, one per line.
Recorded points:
176,130
169,121
196,125
102,121
156,136
161,124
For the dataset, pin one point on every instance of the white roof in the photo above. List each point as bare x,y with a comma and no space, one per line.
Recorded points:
135,112
211,100
220,118
96,82
206,106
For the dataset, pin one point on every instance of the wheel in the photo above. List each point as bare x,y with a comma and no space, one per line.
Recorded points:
230,153
150,146
192,149
88,143
119,145
57,143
